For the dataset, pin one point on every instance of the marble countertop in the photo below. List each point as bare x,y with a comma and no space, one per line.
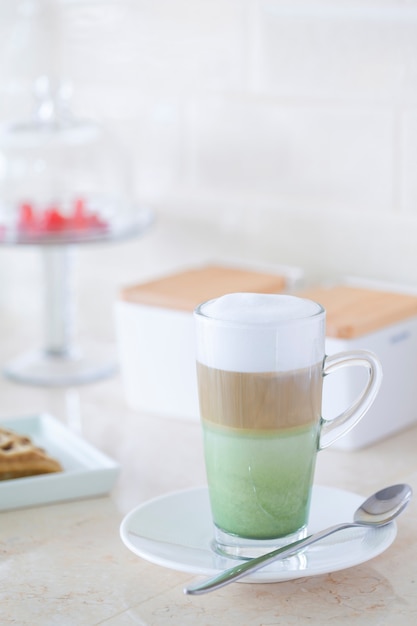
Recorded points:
65,563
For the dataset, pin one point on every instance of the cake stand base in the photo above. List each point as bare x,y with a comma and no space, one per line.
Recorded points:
62,370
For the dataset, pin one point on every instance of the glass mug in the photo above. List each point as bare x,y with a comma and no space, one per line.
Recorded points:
260,367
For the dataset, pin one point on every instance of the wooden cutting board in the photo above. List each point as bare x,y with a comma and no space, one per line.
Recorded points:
185,290
354,311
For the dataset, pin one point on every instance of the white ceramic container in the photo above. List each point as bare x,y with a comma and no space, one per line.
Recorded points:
384,320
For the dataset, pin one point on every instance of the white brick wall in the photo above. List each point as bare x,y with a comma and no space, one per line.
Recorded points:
292,122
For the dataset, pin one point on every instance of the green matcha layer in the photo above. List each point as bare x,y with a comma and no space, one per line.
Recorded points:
260,483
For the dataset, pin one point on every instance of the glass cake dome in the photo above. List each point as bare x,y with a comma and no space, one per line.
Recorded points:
63,179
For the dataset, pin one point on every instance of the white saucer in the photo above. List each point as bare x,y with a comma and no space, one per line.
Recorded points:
176,531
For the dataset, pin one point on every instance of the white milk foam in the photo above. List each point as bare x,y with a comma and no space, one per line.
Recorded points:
245,332
259,308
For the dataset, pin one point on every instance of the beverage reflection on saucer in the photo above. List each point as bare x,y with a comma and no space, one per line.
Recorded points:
295,563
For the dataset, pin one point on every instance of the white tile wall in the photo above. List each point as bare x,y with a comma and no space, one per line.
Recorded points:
292,122
408,163
292,157
346,51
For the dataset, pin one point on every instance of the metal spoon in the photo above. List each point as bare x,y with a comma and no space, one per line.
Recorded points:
379,509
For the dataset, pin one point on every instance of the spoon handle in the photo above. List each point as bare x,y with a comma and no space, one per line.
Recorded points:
243,569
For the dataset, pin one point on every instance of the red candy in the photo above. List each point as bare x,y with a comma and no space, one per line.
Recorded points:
26,216
52,221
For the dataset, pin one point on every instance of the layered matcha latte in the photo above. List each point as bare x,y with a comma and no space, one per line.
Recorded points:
259,366
260,441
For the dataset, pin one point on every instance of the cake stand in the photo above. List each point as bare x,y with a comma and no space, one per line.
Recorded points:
64,182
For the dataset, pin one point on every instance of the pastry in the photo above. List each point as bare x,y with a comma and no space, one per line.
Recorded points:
19,457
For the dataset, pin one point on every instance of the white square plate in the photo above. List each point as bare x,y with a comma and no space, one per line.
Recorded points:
87,471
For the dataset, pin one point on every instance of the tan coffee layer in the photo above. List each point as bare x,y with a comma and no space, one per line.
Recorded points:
260,401
185,290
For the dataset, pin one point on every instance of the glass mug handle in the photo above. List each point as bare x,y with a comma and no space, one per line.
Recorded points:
333,429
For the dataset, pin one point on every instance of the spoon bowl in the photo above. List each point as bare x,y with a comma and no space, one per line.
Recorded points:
384,505
378,510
